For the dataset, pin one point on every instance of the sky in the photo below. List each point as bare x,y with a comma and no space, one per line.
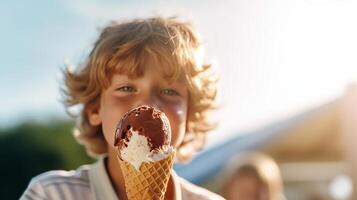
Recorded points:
275,58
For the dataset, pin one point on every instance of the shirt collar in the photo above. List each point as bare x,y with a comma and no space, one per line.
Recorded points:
100,182
102,188
177,185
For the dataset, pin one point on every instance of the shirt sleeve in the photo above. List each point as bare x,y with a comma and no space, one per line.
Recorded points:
34,191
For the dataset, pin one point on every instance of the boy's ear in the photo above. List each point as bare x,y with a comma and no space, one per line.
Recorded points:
93,115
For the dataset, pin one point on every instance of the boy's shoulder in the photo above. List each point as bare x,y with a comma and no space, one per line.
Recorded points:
79,176
58,184
191,191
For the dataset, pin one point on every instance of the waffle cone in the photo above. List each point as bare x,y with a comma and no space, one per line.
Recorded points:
150,183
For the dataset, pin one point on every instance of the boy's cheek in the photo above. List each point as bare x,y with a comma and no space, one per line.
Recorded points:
120,102
177,138
108,128
110,118
177,118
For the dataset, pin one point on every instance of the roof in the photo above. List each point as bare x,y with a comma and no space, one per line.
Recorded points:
210,161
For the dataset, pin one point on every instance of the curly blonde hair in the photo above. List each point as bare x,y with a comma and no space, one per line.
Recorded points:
121,44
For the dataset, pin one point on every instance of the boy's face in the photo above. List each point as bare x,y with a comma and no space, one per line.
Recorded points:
151,89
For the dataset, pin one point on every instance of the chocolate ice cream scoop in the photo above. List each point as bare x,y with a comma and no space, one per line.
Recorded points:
144,152
146,121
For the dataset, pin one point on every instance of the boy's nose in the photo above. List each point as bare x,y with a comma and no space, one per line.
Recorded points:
151,103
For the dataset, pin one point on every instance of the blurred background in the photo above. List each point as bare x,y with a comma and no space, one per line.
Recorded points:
287,73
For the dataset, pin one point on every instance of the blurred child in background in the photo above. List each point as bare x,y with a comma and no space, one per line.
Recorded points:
253,176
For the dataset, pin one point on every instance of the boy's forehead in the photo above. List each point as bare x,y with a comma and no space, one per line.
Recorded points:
151,67
156,75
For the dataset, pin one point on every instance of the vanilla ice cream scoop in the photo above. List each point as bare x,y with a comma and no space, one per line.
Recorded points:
143,135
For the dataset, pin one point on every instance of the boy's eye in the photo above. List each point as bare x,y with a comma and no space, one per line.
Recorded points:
127,89
169,92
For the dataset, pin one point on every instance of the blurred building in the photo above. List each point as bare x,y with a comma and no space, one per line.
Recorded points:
314,150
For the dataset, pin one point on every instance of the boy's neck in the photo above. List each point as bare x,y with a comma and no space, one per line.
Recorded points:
117,180
115,175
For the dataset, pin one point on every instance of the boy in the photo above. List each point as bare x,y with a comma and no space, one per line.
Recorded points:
155,62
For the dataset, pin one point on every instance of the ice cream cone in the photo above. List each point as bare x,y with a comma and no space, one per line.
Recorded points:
150,182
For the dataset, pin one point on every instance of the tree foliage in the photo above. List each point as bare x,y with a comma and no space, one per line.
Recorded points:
31,148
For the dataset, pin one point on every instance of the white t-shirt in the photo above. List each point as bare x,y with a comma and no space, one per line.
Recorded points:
91,182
